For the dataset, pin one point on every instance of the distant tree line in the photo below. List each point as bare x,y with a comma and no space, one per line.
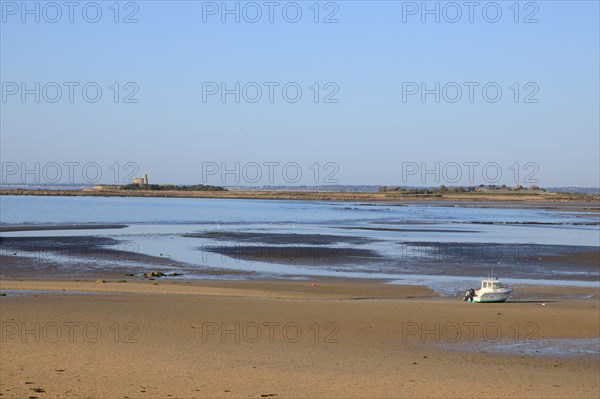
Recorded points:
459,189
386,189
172,187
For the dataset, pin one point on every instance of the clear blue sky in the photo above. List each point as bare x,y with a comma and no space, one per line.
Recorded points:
369,133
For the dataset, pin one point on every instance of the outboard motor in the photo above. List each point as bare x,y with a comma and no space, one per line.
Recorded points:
469,294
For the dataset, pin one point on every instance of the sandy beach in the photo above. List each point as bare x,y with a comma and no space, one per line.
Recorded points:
80,320
336,339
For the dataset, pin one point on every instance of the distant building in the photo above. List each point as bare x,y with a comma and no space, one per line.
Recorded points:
140,181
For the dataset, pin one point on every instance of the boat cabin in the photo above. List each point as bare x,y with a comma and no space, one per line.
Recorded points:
491,284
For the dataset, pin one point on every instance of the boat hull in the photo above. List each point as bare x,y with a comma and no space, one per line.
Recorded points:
491,297
478,300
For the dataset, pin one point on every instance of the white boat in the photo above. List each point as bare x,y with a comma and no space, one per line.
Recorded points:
492,290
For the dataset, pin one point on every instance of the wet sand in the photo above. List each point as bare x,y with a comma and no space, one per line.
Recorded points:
277,238
587,258
520,261
408,230
319,256
337,339
86,226
97,256
89,256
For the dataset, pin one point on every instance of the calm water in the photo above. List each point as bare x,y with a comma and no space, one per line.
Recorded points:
156,226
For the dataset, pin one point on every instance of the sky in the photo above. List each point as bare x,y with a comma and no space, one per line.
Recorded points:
260,93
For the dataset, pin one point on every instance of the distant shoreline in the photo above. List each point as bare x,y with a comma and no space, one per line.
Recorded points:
385,197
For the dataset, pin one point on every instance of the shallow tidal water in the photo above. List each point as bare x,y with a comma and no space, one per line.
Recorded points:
444,247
